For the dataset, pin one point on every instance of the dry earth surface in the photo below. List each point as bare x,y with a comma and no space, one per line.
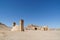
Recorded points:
30,35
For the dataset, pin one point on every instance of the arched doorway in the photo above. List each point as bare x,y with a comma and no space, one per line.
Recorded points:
35,28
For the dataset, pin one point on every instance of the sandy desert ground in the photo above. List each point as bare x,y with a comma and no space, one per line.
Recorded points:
30,35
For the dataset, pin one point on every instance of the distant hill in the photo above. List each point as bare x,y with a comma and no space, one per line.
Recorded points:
4,27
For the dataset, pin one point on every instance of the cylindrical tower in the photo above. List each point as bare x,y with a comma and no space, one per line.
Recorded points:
21,25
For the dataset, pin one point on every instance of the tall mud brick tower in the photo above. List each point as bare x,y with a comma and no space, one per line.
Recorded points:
21,25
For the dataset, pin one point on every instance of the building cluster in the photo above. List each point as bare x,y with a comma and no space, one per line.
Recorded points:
20,27
34,27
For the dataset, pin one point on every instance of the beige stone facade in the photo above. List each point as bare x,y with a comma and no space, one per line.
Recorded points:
34,27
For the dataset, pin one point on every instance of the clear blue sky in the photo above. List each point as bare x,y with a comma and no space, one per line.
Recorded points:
39,12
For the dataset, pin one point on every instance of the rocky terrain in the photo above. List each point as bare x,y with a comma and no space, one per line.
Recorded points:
3,27
30,35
